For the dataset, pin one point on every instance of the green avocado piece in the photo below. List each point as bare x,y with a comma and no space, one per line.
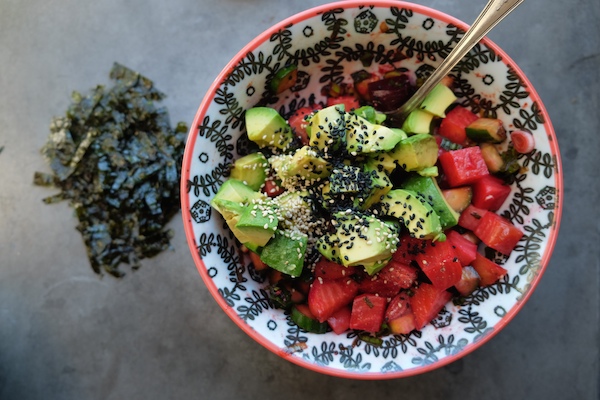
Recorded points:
363,136
305,163
231,212
329,246
378,185
267,128
428,188
235,191
364,239
438,100
418,121
414,212
251,169
285,252
259,221
416,152
328,128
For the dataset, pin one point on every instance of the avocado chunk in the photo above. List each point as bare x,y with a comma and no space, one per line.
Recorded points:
328,128
363,136
251,169
267,128
285,252
371,114
428,188
383,161
364,239
259,221
414,213
418,121
416,152
329,246
438,100
305,164
231,212
377,185
235,191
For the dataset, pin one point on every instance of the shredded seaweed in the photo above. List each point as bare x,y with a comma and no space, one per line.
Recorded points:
117,160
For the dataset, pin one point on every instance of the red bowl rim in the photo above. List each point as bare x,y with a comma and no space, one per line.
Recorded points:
187,219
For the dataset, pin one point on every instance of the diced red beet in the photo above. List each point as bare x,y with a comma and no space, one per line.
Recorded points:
326,297
390,93
368,311
440,264
488,271
465,249
471,217
427,302
469,281
490,193
328,270
453,126
390,280
340,320
498,233
463,166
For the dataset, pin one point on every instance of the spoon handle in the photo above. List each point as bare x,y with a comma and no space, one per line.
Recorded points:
492,14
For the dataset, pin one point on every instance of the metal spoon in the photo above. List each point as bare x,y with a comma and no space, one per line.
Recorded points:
492,14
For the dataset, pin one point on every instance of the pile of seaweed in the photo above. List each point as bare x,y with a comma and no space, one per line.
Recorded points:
117,160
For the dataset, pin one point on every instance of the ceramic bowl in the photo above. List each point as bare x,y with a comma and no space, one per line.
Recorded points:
328,43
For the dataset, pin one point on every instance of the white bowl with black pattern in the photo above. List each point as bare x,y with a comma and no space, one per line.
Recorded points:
328,43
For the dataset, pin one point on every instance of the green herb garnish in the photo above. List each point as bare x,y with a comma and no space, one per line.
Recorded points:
116,159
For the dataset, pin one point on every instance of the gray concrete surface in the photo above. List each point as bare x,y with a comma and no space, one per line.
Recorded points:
65,333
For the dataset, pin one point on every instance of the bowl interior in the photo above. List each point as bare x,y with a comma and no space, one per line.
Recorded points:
327,44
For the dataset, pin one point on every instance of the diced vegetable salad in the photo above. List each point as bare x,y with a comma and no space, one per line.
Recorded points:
361,224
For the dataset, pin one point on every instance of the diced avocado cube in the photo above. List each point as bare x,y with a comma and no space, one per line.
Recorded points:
328,246
418,121
267,128
235,191
251,169
231,212
416,152
305,163
428,188
378,185
438,100
258,221
413,212
363,137
285,252
328,128
364,239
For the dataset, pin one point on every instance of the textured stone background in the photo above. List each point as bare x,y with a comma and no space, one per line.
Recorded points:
67,334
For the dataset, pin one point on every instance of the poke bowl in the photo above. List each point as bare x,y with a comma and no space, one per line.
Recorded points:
340,53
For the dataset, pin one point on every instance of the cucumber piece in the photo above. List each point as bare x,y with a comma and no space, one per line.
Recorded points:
492,157
489,130
284,79
458,198
307,323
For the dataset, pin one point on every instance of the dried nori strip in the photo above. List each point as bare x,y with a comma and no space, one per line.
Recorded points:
117,160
